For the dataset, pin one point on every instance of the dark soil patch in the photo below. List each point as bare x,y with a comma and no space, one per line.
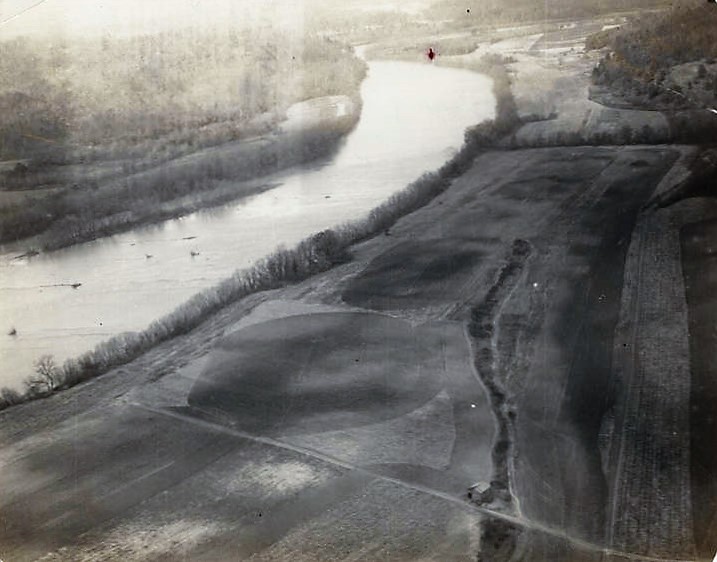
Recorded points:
581,249
699,266
499,541
587,327
702,181
535,189
321,371
414,273
100,473
557,174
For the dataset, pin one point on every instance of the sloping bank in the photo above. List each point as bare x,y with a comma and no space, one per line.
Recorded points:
315,254
208,177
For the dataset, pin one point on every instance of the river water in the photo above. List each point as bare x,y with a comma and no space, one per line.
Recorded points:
412,121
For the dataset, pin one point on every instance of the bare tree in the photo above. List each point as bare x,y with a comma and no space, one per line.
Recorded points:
46,377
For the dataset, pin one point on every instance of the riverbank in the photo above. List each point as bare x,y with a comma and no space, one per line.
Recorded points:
313,255
207,248
89,147
174,188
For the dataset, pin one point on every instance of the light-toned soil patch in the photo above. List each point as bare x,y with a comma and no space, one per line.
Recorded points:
282,308
390,524
422,437
316,112
271,478
138,543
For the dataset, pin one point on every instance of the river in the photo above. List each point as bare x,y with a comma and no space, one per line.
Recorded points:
413,120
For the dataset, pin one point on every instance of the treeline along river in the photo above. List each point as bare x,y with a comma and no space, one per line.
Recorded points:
413,120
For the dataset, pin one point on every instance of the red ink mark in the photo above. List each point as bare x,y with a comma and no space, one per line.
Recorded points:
431,54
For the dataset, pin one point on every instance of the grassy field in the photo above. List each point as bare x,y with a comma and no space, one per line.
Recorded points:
415,275
342,381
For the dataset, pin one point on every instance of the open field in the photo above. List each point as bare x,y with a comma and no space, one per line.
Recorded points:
282,375
553,90
309,480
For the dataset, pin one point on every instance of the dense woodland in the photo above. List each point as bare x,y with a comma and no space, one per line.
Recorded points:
97,122
111,94
642,55
521,11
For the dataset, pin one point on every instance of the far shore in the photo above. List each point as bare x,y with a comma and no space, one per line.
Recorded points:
306,137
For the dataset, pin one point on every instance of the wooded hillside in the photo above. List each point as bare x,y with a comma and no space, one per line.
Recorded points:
644,54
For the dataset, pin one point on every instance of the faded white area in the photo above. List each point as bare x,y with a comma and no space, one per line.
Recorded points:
138,542
384,522
511,45
129,17
125,17
312,113
271,310
422,437
273,478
